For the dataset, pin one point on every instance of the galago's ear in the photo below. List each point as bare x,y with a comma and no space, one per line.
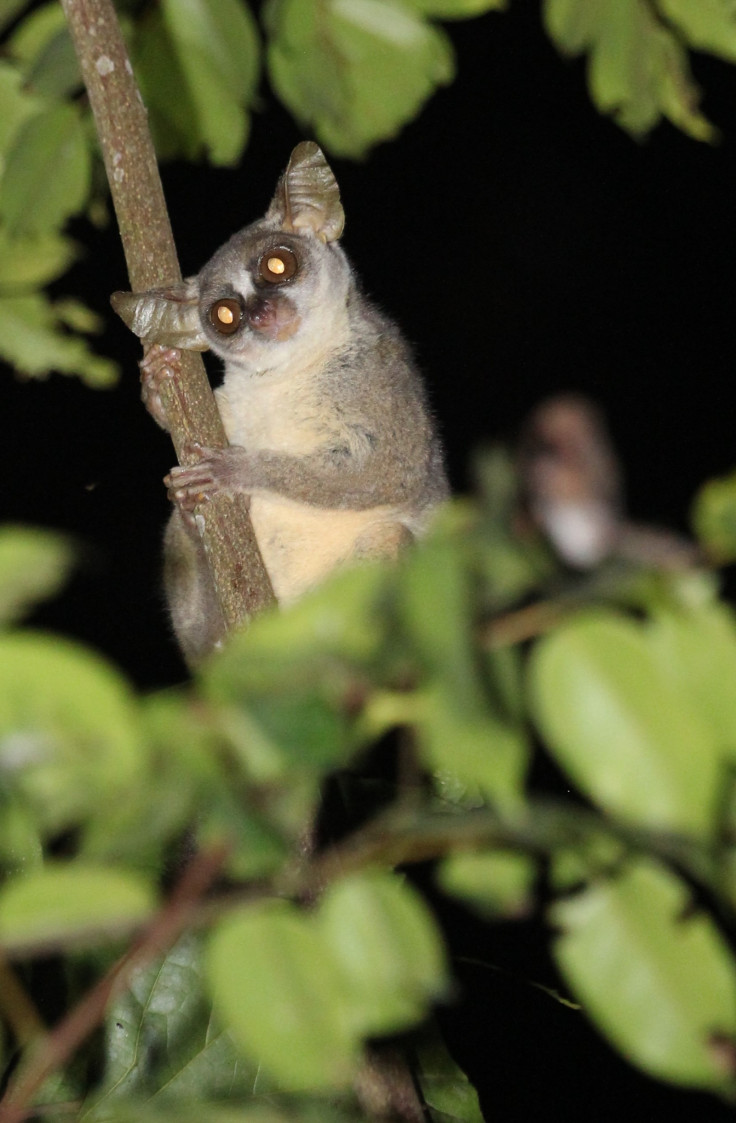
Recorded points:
307,196
169,316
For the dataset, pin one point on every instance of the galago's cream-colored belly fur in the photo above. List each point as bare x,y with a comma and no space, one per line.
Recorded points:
300,543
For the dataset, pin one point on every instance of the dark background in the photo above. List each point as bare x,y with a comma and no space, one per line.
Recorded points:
526,246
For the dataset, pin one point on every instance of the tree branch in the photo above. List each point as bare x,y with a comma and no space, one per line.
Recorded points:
238,573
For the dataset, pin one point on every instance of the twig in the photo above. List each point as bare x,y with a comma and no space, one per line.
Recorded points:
56,1048
523,624
238,573
17,1007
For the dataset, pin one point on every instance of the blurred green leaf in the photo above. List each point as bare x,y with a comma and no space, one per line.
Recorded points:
55,73
32,340
161,1043
275,985
69,729
32,34
283,743
257,849
179,771
210,57
224,32
482,752
16,106
304,729
497,884
21,848
69,902
638,70
354,71
385,944
34,565
656,978
30,260
572,25
448,1094
319,642
191,790
9,9
714,517
78,316
619,726
697,648
706,25
164,88
47,171
462,731
511,565
42,44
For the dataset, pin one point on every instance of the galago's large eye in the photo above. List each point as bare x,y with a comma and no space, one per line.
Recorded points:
225,315
277,265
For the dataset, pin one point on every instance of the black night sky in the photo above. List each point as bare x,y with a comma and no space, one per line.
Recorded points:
526,246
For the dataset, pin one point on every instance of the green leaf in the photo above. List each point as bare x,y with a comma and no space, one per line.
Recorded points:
511,566
77,316
638,70
387,948
224,33
656,978
172,117
69,729
697,648
319,642
9,9
284,742
191,789
462,731
305,730
497,884
31,339
47,172
447,1092
16,106
69,903
473,748
217,52
275,985
617,723
706,25
32,35
43,46
21,847
161,1043
572,24
714,517
256,848
34,565
354,71
28,261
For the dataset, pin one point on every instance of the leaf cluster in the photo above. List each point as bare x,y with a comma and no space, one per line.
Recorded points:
310,946
352,73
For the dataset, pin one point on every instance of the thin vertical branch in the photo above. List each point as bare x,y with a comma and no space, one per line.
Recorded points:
239,576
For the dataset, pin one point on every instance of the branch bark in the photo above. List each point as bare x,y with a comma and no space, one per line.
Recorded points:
239,576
